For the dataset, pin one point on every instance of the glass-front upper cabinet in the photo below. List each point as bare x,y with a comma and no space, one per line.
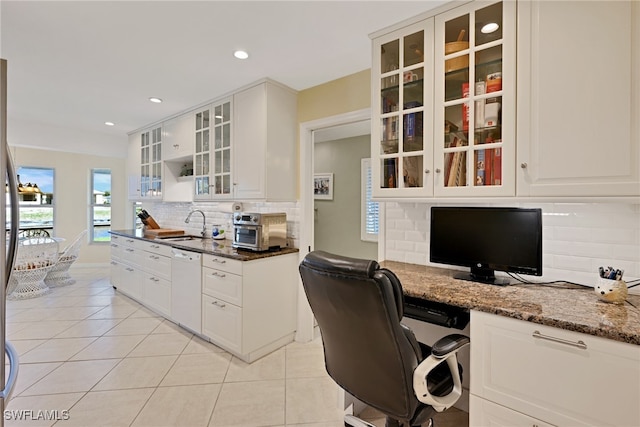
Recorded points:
151,163
475,100
402,80
212,155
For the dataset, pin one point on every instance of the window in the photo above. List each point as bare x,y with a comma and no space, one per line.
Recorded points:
369,210
35,198
100,205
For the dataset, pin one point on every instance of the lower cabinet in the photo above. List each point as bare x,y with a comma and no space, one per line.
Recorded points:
249,307
522,372
157,294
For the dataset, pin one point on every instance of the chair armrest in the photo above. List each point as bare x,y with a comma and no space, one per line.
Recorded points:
447,349
446,345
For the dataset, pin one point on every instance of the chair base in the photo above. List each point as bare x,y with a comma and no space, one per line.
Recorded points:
353,421
59,279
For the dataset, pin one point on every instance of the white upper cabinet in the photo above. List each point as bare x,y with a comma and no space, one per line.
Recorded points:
578,98
151,163
133,166
264,143
178,141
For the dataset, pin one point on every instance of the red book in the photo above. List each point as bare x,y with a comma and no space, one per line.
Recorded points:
497,166
488,167
465,106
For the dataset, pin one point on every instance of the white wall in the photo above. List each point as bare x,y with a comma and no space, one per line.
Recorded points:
577,237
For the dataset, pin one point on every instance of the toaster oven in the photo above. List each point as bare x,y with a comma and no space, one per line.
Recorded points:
259,231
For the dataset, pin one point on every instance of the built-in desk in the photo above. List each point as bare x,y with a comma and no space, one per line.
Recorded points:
577,310
541,355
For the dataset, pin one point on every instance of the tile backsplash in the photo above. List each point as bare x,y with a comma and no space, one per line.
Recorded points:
577,237
172,215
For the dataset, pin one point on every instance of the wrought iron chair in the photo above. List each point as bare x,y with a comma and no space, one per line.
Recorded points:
59,274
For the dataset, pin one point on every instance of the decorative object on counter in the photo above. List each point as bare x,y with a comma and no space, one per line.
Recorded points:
217,232
610,287
59,273
323,186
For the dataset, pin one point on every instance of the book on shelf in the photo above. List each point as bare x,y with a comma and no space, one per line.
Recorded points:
497,166
480,165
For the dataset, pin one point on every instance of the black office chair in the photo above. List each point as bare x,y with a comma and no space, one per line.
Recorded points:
368,352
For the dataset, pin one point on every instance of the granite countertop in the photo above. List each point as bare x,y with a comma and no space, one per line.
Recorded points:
576,309
221,248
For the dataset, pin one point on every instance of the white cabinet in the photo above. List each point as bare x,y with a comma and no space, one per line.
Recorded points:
178,141
156,276
578,98
151,163
264,142
249,307
126,274
560,377
485,413
133,167
443,121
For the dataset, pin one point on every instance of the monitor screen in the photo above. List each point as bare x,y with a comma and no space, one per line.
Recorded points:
486,239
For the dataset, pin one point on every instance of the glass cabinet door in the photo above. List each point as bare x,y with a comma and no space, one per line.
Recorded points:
145,173
202,154
402,76
472,99
222,149
156,162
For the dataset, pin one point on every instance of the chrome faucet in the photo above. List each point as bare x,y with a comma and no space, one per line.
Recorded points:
204,221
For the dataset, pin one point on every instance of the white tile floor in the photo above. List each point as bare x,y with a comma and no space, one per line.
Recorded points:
93,357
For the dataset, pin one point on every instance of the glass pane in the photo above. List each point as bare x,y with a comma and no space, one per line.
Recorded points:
455,121
489,70
455,84
389,143
414,48
489,24
36,217
412,171
455,169
205,119
389,56
198,164
198,142
198,121
205,140
101,181
488,167
226,111
101,223
226,135
218,138
217,168
217,115
205,164
390,95
226,184
218,185
413,88
226,161
412,132
389,175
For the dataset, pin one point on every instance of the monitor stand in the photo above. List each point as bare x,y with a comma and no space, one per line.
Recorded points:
483,275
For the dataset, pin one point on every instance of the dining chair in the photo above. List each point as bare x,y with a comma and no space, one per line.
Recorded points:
35,256
59,273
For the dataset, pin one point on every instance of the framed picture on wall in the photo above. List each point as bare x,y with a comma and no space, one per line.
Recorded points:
323,186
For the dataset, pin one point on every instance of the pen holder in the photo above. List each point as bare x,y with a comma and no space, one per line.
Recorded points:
613,291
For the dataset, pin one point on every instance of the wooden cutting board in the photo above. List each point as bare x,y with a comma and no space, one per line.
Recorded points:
164,232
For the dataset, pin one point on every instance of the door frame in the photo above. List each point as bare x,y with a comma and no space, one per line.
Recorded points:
305,331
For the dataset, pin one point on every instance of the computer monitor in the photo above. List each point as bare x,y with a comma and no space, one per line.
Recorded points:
486,239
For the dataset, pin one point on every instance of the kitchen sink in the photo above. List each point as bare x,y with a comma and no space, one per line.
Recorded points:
179,238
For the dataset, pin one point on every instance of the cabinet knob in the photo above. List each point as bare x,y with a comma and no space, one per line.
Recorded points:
427,171
438,170
176,145
523,165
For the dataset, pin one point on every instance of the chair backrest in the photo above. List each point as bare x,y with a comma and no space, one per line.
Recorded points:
73,249
358,307
33,232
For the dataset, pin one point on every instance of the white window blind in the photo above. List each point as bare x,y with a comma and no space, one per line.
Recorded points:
369,216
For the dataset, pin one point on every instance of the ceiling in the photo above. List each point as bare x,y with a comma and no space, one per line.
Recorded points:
77,64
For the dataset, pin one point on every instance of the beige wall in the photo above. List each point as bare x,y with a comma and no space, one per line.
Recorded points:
346,94
72,193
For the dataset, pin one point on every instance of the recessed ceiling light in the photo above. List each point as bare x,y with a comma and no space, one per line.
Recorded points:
489,28
109,123
156,100
240,54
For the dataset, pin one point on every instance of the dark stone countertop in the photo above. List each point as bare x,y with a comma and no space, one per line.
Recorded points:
577,309
221,248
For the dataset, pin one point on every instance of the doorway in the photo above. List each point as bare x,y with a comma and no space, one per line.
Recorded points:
336,127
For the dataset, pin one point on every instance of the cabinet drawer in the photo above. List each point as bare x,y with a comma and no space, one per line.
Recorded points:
156,248
222,323
485,413
116,250
158,265
559,376
225,264
223,285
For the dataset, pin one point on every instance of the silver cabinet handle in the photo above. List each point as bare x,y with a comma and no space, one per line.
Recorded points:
153,279
580,344
130,241
129,269
155,246
217,304
218,261
129,250
154,257
222,276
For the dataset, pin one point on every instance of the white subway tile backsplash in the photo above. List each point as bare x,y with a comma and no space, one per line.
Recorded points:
578,237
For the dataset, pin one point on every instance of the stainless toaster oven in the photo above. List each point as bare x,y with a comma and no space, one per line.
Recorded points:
259,231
